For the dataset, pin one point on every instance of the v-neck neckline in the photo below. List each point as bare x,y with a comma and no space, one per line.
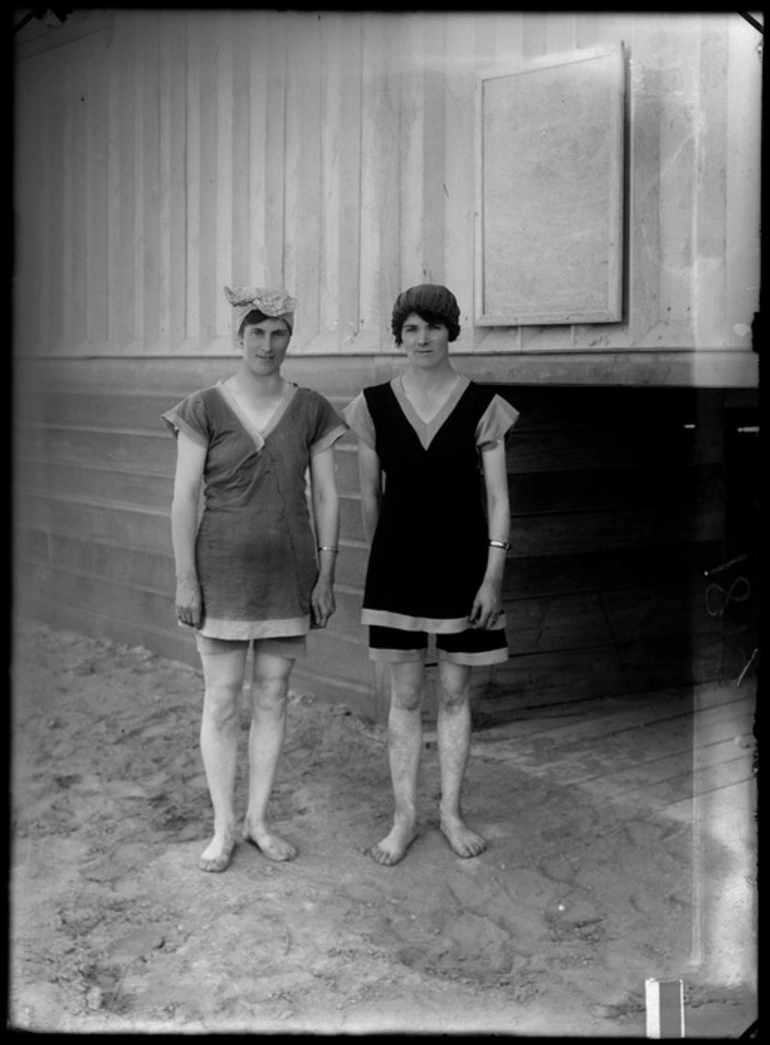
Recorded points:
259,435
426,431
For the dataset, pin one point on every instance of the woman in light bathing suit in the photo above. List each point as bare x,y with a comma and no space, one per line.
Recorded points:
252,571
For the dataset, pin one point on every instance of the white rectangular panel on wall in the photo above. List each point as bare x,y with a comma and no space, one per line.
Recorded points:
549,214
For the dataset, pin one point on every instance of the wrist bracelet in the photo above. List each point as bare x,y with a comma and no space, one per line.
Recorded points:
327,548
499,544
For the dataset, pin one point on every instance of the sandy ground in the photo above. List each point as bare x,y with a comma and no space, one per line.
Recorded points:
551,932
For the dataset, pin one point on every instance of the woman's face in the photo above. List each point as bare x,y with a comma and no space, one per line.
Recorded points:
426,344
264,346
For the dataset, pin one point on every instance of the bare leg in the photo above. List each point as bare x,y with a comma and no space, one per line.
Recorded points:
268,726
404,744
453,731
223,675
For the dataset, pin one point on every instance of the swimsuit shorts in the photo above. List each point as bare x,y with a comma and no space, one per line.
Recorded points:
289,647
472,646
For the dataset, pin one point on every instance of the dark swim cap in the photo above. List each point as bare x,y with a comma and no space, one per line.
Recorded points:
429,300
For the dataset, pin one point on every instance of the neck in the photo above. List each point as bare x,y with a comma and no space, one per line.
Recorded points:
266,387
428,378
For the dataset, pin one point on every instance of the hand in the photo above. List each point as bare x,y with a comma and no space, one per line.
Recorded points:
487,606
322,603
189,602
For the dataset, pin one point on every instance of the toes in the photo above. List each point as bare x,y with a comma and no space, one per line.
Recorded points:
464,843
274,848
383,857
216,862
279,853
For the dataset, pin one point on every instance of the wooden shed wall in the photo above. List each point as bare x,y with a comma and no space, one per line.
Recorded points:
618,506
160,155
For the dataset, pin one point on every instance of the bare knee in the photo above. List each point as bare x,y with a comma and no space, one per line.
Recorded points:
406,697
454,690
268,695
221,705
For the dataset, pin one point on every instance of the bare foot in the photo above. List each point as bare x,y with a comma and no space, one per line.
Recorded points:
464,841
218,853
393,847
272,846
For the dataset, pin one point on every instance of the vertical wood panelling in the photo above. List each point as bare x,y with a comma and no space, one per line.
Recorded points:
68,205
534,44
193,177
458,173
332,143
586,30
206,289
388,265
744,127
485,39
96,201
709,247
176,186
560,32
165,261
242,232
508,37
351,29
256,114
225,233
678,65
123,201
115,293
434,186
26,173
275,145
42,150
645,115
137,80
78,161
172,133
375,37
534,32
412,184
334,153
149,202
302,265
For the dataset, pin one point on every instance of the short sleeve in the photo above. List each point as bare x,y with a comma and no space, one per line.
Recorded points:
360,420
189,416
328,427
495,422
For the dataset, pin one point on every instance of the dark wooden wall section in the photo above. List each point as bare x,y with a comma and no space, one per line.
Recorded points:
618,505
93,476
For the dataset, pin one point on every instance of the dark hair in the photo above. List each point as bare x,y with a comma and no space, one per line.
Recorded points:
428,317
255,317
433,303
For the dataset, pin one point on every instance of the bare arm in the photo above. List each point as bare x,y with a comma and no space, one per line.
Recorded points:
190,461
488,601
370,480
326,512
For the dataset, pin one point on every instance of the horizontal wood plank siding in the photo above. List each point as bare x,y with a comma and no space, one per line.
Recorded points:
614,520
